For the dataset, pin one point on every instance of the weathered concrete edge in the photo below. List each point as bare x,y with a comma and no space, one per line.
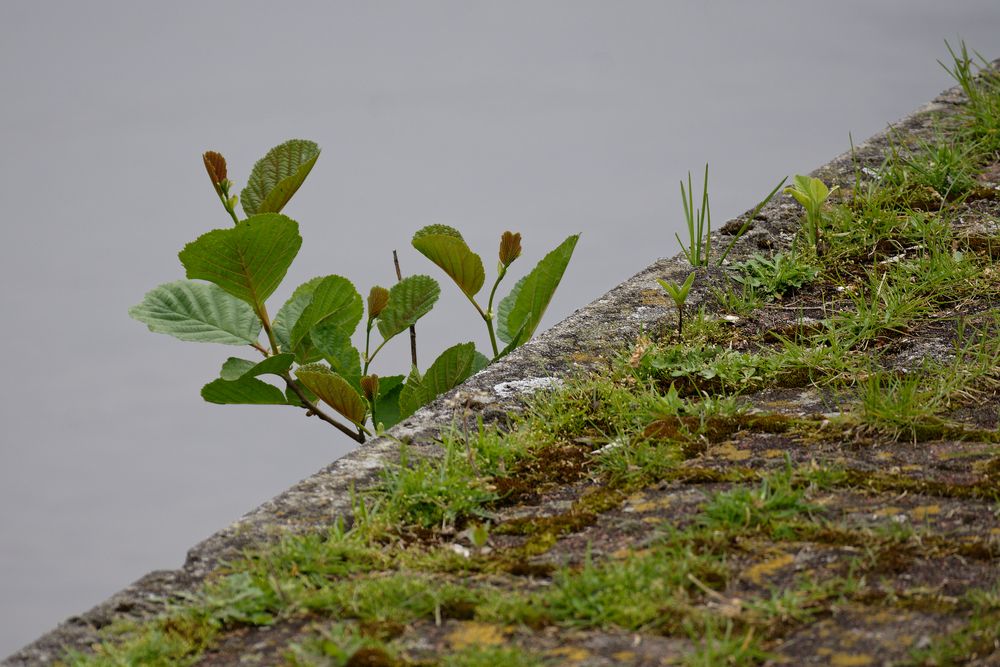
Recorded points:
582,342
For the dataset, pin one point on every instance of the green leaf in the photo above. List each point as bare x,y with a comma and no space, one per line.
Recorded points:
411,396
678,293
334,301
244,391
277,176
409,300
197,312
445,247
249,260
235,368
527,301
333,390
389,383
386,409
290,312
334,345
453,367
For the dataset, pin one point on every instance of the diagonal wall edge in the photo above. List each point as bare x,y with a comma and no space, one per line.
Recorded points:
586,341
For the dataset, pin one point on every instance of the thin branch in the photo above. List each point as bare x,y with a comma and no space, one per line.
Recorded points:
489,312
313,409
413,327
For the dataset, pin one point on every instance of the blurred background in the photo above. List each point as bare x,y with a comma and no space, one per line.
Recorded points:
543,117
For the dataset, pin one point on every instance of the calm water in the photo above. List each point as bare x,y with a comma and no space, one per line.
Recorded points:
546,118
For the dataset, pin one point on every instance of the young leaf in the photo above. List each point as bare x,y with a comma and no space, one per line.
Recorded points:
678,293
289,314
334,300
523,308
445,247
411,396
248,260
386,409
452,368
333,390
244,391
277,176
409,300
197,312
334,345
235,369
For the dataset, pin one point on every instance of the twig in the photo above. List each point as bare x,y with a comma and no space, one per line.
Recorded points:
313,409
413,327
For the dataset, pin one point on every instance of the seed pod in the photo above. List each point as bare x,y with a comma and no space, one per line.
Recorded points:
510,248
377,300
369,385
215,165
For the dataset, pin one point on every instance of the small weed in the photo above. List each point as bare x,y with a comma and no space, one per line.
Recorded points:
491,656
799,604
489,451
941,277
241,598
672,405
884,306
341,645
698,251
702,367
896,405
740,303
705,327
630,594
977,639
642,460
318,558
435,491
760,508
399,597
679,294
825,358
699,224
981,85
812,193
723,646
943,165
596,407
776,276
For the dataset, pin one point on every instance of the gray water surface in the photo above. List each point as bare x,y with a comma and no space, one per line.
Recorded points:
548,118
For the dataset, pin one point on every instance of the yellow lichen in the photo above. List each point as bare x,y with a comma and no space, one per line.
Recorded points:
758,572
851,659
730,452
472,633
925,511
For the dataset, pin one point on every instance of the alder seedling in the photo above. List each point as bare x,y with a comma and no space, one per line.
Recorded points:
231,272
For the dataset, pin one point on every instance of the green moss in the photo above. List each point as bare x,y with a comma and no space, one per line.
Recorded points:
490,656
